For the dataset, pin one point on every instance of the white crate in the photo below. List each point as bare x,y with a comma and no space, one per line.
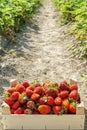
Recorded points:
43,122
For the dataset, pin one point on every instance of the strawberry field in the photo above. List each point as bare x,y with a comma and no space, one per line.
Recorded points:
75,12
14,14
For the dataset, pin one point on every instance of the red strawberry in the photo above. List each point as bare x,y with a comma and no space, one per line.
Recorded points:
12,111
9,101
64,85
73,87
74,95
37,85
15,96
29,92
65,103
58,101
18,111
20,88
42,100
31,104
15,105
27,111
72,108
25,84
51,92
31,88
64,94
44,109
38,90
11,90
35,96
50,100
57,109
23,98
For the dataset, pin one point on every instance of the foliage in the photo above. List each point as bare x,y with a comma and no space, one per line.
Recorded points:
14,14
76,12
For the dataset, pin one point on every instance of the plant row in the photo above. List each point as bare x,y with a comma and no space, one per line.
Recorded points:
45,98
76,12
14,14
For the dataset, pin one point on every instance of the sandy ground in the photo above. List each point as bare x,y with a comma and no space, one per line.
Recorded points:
42,52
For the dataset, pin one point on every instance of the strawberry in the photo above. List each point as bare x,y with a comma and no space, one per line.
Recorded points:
11,90
72,108
74,95
42,100
15,96
12,111
38,90
64,85
73,87
50,100
35,96
20,88
27,111
31,88
65,103
25,84
44,109
18,111
51,92
29,92
23,98
58,101
63,94
9,101
15,105
57,109
31,104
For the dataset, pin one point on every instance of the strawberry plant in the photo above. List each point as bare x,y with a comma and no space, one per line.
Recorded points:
76,12
14,14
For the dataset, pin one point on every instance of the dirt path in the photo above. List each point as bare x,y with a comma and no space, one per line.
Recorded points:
42,53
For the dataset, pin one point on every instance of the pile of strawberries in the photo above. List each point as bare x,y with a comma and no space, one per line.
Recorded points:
45,98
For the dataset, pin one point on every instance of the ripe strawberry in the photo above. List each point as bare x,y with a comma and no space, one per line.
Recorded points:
15,105
27,111
29,92
31,88
72,108
25,84
42,100
20,88
31,104
58,101
65,103
11,90
50,100
73,87
37,85
9,101
15,96
51,92
12,111
38,90
57,109
74,95
64,94
64,85
18,111
44,109
23,98
35,96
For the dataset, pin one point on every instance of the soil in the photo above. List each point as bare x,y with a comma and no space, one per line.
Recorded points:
42,52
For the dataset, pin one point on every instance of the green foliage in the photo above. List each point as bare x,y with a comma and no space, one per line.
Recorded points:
76,12
14,14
